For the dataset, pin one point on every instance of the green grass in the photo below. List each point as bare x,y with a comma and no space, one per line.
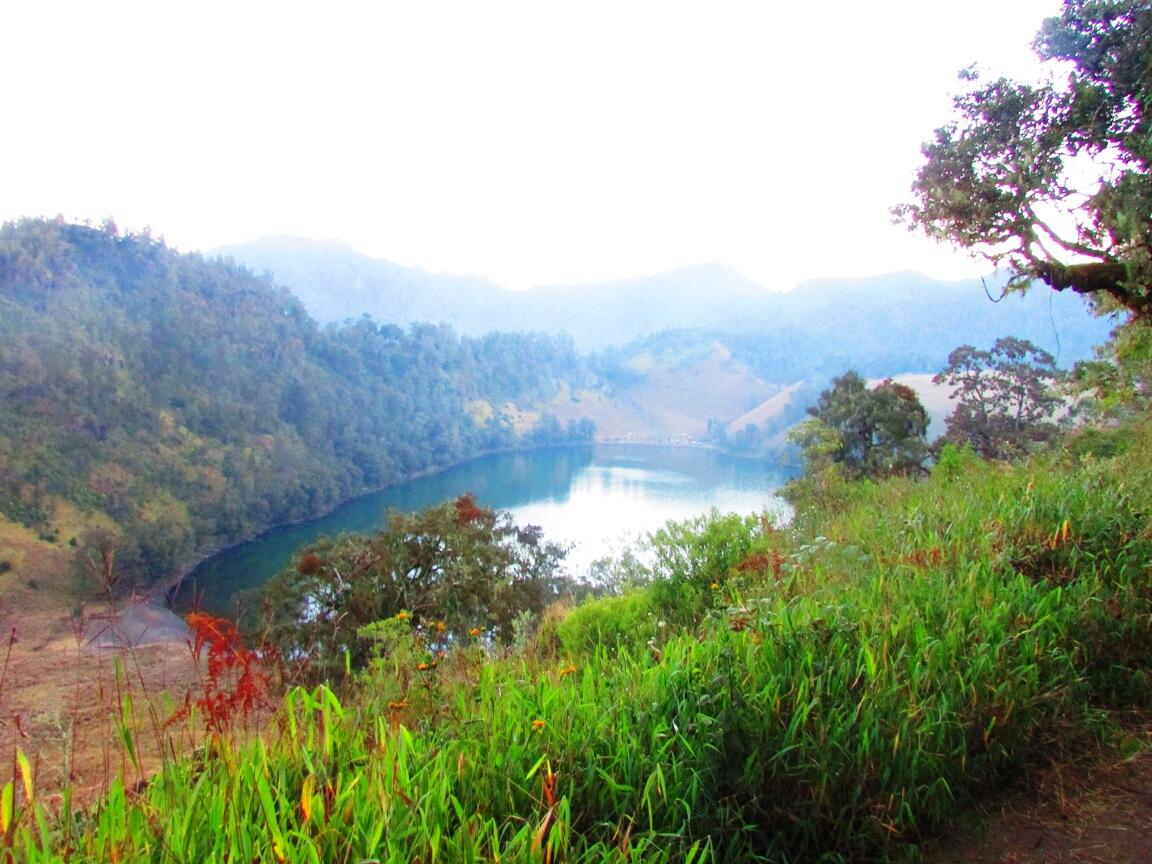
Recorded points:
900,654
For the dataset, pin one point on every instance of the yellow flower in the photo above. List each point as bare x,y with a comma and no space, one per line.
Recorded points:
715,586
567,670
538,724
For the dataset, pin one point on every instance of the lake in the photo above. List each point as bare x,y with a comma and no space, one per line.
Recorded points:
596,498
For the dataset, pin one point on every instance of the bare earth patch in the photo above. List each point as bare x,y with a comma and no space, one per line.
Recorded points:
1101,814
63,702
64,678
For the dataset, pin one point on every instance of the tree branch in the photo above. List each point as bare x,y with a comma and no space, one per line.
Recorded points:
1066,245
1094,278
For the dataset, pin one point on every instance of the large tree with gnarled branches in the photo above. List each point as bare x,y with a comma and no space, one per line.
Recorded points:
1054,179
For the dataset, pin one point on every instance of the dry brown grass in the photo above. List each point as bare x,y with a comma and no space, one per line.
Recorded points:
63,686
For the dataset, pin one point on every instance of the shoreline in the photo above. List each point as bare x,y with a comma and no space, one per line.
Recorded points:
160,593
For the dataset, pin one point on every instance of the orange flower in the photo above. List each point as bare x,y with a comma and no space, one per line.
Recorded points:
440,627
568,670
422,667
475,631
538,724
402,616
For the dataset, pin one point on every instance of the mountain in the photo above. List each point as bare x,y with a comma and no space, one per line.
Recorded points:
699,353
899,322
178,404
335,283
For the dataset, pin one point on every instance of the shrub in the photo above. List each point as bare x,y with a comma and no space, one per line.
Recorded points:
611,623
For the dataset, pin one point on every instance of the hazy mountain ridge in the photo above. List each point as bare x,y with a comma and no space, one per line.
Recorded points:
895,322
702,352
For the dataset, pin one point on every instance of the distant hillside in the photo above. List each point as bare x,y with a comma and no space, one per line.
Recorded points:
892,323
700,353
335,283
181,404
672,395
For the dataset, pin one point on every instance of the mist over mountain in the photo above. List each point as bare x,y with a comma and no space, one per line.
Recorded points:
889,323
335,283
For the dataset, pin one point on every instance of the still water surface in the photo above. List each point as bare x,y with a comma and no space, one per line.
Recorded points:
596,498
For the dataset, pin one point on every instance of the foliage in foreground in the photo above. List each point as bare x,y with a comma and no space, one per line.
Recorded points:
867,674
451,569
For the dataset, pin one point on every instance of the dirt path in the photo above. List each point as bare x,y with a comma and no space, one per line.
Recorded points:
1101,814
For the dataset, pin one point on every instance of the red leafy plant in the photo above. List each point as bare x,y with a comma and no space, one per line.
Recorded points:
236,683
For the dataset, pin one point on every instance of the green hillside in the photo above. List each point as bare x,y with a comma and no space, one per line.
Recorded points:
184,404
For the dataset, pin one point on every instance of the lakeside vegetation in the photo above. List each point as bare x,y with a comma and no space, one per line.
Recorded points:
185,404
838,688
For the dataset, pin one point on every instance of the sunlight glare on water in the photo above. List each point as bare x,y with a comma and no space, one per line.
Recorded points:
594,499
609,506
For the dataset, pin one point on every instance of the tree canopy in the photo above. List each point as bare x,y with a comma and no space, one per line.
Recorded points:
1053,179
874,432
454,570
1006,401
191,404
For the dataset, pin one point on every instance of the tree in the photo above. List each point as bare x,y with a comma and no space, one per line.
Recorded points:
1006,397
1119,380
877,432
450,568
900,426
1053,179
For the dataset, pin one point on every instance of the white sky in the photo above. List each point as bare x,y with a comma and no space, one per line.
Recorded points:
530,142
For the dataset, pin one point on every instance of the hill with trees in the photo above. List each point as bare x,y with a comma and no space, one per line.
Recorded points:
184,404
188,404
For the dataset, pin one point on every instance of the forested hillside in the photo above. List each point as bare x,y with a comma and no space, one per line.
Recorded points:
182,404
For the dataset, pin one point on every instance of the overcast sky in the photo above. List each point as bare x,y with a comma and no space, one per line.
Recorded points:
530,142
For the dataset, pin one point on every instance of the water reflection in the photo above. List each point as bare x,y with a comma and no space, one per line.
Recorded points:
594,498
615,500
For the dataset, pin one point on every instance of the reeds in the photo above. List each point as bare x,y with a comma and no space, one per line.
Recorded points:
933,641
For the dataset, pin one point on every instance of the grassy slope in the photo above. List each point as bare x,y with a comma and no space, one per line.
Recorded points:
675,395
60,696
902,650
